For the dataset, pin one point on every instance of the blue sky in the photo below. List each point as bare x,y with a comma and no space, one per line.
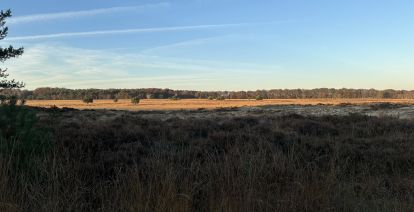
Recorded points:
213,44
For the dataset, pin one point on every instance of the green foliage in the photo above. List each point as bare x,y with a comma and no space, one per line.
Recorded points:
210,98
221,98
135,100
259,97
87,100
7,53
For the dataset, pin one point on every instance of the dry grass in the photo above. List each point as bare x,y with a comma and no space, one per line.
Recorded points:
263,163
186,104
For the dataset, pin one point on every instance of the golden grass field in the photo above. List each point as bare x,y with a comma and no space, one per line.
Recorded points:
189,104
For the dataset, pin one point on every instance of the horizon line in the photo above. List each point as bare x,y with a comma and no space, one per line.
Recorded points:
291,89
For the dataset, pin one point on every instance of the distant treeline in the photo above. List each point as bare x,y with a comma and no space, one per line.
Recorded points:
155,93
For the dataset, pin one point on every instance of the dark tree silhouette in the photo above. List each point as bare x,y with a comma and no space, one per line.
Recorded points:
7,53
135,100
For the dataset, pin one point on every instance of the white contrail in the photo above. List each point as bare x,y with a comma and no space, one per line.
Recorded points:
123,31
77,14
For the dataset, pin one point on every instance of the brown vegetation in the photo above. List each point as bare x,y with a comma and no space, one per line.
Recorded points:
129,162
188,104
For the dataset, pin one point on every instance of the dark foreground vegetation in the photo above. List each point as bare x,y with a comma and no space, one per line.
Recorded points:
68,160
155,93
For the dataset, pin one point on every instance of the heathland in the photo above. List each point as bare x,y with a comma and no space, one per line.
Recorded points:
269,158
177,150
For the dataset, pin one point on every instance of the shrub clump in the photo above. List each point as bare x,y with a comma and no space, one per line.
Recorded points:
87,100
135,100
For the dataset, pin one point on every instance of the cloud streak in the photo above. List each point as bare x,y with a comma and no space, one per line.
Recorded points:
78,14
62,66
123,31
193,42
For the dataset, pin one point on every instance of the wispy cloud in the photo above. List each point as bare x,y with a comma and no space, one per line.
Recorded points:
62,66
192,42
78,14
123,31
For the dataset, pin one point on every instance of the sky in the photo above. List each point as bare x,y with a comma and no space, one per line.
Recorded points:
212,44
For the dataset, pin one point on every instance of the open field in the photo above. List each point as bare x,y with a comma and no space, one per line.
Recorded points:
192,104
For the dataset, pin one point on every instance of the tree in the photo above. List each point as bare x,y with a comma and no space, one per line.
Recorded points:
87,100
135,100
7,53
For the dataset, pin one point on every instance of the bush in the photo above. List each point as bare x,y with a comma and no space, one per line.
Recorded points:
115,100
221,98
175,98
87,100
259,98
210,98
135,100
